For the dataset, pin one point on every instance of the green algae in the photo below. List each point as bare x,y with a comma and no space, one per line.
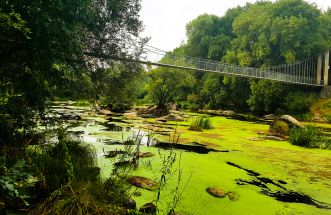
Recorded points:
306,171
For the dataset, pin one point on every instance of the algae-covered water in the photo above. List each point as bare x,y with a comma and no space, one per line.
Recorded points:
265,176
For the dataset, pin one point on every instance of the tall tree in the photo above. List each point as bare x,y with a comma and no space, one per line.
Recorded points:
37,35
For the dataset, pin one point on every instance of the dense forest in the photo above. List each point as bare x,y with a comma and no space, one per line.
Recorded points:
51,50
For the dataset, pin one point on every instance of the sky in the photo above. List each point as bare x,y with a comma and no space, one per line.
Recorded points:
165,20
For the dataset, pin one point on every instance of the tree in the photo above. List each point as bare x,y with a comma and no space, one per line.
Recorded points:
38,36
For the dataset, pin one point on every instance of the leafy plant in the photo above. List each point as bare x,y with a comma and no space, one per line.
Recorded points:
298,103
66,161
15,183
309,136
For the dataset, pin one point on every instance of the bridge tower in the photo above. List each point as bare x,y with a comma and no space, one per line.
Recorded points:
323,73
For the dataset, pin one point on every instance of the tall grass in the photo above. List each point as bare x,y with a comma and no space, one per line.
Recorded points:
200,123
58,163
309,137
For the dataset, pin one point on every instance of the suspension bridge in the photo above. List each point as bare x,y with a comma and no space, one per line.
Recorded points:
313,71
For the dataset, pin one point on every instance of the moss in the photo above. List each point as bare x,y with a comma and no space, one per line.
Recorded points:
280,127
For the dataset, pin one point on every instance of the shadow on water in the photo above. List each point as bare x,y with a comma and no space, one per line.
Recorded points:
115,128
282,194
194,147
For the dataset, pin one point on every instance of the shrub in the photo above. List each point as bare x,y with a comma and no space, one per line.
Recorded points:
200,123
328,118
57,164
309,136
81,198
298,103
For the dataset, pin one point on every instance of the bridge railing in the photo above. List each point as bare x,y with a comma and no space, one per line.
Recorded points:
303,72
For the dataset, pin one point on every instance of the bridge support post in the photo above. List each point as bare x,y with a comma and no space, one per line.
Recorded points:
319,70
326,68
326,91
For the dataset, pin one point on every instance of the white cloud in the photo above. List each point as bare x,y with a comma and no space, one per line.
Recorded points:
165,20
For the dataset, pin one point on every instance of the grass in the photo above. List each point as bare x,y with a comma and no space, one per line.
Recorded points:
200,123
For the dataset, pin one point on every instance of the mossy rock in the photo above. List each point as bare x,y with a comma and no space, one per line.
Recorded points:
143,182
216,192
280,127
148,208
233,196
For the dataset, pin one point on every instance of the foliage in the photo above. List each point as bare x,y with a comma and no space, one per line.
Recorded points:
48,47
83,198
200,123
70,161
265,96
328,118
261,35
15,183
309,137
299,103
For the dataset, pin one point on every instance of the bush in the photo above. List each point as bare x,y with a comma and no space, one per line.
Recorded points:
298,103
57,164
200,123
81,198
309,136
328,118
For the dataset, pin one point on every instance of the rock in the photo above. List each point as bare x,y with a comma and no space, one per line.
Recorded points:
173,117
105,112
271,137
112,154
282,125
130,204
146,154
143,182
148,208
228,113
269,117
161,120
147,115
233,196
291,120
137,193
279,127
217,192
71,116
174,106
255,139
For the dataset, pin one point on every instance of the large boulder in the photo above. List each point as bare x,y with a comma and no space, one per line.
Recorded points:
279,127
291,120
283,125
